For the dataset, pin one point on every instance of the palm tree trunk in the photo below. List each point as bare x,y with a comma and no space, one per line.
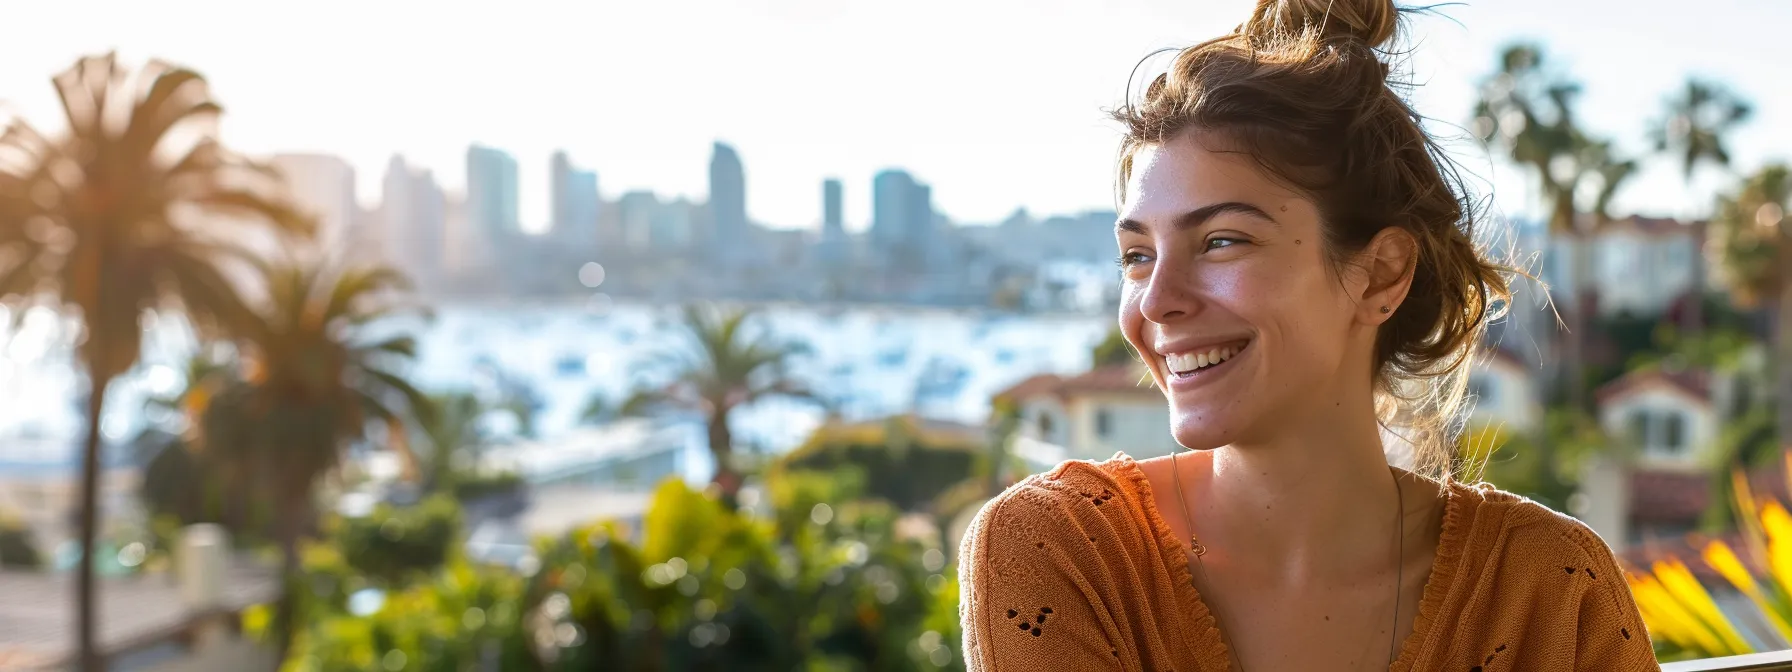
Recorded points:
285,611
1782,343
721,447
86,624
1581,320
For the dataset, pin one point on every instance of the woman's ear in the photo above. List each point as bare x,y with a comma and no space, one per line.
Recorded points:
1390,259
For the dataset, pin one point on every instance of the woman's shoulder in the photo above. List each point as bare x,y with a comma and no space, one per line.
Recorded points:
1528,531
1550,570
1522,540
1083,499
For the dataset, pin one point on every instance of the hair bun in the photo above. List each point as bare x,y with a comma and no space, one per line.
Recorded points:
1373,21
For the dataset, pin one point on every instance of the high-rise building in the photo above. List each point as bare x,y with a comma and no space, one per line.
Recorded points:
647,221
492,207
727,202
833,225
833,222
920,213
890,203
575,203
324,187
413,215
902,216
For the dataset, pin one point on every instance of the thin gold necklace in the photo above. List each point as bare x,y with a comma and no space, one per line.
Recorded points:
1194,544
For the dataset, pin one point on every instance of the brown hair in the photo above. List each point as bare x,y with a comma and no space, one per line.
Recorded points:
1302,87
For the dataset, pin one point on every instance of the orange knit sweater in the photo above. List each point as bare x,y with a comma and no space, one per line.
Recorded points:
1075,570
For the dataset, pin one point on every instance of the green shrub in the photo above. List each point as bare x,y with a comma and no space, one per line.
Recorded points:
18,549
392,543
930,460
474,486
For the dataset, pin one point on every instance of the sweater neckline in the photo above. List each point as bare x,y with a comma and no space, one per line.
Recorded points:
1204,630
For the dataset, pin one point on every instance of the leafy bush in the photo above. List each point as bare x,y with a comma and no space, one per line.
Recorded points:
823,584
930,460
17,547
392,542
470,486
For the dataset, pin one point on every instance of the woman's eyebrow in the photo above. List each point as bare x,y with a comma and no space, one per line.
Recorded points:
1199,216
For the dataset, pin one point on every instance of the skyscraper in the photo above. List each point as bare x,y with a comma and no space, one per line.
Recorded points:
413,219
902,216
833,223
324,187
890,202
492,192
575,203
727,202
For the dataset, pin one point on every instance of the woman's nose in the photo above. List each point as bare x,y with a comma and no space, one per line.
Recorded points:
1169,294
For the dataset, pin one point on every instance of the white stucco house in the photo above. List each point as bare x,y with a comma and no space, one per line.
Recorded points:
1501,386
1638,265
1092,415
1665,424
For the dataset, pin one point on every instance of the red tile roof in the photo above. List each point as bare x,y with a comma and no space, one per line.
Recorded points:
1115,379
1693,383
1650,226
1668,497
1504,357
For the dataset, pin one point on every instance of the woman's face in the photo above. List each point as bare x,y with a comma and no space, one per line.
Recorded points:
1229,295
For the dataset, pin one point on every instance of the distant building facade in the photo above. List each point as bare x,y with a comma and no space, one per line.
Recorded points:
1640,266
324,187
413,216
727,204
1502,389
574,198
1091,416
902,218
492,194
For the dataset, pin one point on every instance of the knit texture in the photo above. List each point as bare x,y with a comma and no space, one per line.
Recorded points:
1075,569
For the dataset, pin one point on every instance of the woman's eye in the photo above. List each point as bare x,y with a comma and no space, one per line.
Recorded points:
1130,259
1217,243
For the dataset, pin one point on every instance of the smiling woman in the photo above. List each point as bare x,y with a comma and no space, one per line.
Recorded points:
1299,276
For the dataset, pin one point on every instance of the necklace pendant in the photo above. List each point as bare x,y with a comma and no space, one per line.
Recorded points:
1195,545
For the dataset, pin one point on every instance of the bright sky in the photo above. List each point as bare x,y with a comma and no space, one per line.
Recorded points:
996,103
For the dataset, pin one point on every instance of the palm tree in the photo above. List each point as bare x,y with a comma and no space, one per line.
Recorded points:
1696,124
1527,111
1752,243
453,433
726,369
314,381
1693,131
133,207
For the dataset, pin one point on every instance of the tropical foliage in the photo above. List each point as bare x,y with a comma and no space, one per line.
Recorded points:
727,363
1685,620
930,459
316,375
823,583
1748,238
134,206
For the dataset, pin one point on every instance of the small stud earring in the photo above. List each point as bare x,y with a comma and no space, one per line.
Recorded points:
1384,310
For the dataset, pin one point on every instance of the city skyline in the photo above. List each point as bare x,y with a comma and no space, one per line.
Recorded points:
995,113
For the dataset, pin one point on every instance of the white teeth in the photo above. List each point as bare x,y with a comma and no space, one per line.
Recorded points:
1185,362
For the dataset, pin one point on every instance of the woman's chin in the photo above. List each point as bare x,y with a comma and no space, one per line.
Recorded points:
1195,434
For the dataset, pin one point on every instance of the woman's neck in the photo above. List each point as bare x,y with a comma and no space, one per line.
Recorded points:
1315,502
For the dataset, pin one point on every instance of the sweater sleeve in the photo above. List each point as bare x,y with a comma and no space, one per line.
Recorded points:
1025,604
1611,634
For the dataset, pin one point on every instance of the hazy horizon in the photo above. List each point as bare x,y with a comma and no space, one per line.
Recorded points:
998,105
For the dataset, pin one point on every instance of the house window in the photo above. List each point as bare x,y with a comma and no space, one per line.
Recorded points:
1639,428
1104,423
1045,425
1481,388
1673,433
